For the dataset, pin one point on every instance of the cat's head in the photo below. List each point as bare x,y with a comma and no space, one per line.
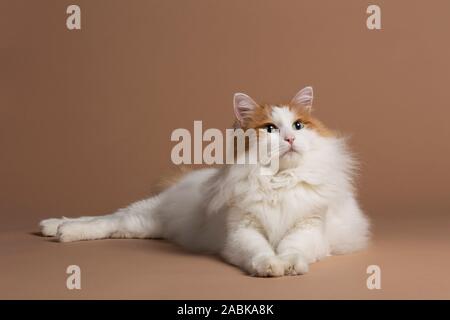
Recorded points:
292,125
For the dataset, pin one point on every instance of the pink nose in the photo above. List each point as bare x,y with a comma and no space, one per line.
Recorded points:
289,139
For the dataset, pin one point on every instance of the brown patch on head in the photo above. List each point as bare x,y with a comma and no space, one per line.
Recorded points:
304,115
260,116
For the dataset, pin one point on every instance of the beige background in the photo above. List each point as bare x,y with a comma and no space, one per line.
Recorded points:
86,117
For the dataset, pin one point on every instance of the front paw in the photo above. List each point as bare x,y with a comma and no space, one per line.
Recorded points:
296,264
268,266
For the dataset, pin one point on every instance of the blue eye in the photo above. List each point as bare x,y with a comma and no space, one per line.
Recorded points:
270,128
298,125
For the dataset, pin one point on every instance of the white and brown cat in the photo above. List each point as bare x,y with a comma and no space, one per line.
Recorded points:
268,225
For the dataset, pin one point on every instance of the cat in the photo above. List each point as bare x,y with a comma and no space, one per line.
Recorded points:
267,225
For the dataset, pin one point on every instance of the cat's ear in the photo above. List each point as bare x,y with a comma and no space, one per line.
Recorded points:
243,106
303,98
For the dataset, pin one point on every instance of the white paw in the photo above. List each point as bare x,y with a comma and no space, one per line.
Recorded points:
296,264
268,266
49,227
71,231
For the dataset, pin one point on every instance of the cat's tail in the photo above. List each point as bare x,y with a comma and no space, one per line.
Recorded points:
139,220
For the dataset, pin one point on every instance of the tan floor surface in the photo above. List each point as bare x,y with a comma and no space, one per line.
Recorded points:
413,254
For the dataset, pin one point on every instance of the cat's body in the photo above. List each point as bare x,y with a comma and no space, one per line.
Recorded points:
269,225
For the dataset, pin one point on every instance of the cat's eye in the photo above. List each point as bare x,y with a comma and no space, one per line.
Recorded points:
297,125
270,127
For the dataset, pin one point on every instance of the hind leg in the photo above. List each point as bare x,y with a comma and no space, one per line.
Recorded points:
135,221
346,228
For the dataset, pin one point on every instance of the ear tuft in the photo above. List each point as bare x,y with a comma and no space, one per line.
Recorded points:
304,98
243,106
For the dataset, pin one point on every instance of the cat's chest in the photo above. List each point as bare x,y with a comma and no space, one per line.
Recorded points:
292,197
279,210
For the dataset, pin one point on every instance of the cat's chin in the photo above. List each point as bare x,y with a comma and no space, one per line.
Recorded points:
290,159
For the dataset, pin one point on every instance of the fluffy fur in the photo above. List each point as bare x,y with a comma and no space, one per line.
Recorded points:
268,225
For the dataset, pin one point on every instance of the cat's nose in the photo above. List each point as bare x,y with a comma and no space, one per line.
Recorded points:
289,139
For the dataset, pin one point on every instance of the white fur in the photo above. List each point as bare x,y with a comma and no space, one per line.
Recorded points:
267,225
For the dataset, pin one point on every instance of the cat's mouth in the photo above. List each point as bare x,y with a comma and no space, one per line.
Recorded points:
290,151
